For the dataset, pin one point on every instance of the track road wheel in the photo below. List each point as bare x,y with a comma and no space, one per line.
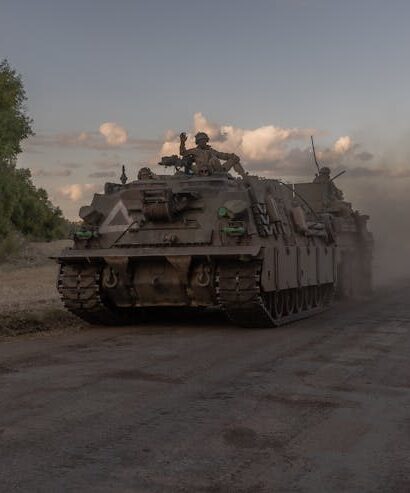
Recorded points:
278,304
328,293
299,300
239,294
289,301
316,296
308,297
274,303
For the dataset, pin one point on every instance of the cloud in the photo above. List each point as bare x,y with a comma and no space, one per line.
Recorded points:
343,144
76,191
268,142
110,135
50,173
69,139
267,148
201,124
273,151
103,174
114,134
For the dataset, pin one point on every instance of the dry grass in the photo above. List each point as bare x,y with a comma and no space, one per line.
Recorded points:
28,322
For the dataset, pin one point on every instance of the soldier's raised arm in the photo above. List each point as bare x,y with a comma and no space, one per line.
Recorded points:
183,151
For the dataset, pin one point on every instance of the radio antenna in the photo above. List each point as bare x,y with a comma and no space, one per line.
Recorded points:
314,154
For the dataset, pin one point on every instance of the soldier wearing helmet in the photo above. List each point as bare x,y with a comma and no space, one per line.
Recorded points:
207,159
146,174
324,177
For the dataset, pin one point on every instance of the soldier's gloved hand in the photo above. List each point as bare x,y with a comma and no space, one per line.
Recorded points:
183,137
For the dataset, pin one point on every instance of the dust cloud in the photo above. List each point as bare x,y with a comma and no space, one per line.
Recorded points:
387,202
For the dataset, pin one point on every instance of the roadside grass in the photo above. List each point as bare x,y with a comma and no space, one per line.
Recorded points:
11,246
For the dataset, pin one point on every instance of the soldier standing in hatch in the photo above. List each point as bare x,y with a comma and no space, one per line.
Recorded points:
207,158
324,177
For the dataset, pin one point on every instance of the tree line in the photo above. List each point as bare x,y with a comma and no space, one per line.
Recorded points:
24,208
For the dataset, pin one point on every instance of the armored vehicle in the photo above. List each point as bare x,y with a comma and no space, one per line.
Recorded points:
254,247
349,228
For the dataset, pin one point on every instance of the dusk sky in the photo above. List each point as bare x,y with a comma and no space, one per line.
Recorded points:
112,83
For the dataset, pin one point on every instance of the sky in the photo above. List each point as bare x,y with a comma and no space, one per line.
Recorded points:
111,83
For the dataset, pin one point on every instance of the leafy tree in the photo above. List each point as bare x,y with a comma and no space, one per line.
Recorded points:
24,208
15,125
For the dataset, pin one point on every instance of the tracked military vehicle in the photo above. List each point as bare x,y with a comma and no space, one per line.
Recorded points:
253,247
349,228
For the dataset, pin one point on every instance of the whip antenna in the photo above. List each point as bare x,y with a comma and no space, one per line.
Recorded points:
314,153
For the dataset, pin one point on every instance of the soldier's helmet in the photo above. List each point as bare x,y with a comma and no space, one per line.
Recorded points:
201,136
145,174
324,171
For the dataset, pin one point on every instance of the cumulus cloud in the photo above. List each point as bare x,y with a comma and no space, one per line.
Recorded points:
268,148
114,134
268,142
76,191
201,124
343,144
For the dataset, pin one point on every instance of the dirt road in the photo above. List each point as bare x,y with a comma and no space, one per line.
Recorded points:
201,406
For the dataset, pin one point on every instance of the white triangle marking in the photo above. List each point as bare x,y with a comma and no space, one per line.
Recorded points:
106,226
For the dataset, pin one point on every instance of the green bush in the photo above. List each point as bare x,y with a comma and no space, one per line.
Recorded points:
27,209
